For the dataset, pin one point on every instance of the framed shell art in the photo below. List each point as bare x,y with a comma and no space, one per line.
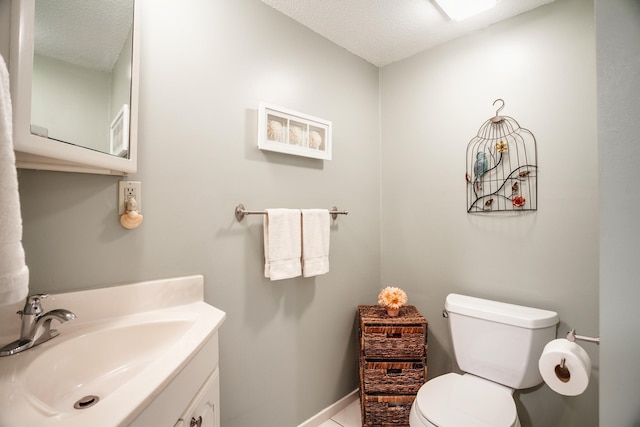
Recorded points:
287,131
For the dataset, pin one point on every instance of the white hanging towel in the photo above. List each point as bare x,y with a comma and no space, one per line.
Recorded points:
282,244
14,274
315,242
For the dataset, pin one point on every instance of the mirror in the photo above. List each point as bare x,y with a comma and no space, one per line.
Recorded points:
74,73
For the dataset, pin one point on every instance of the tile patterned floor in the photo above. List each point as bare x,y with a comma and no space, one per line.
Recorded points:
348,417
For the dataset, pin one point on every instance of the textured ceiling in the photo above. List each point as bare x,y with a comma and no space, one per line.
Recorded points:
89,33
384,31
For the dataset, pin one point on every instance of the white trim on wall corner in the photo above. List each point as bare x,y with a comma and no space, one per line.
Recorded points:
331,410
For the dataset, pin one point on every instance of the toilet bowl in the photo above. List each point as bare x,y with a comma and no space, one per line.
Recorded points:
497,345
454,400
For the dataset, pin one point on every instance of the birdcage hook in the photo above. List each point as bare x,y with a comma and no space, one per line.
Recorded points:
498,118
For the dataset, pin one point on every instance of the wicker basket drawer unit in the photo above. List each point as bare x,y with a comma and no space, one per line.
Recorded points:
396,342
393,377
387,411
393,364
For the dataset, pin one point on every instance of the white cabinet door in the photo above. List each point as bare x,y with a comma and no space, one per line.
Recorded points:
204,409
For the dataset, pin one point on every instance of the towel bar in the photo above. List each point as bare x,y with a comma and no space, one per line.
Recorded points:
240,212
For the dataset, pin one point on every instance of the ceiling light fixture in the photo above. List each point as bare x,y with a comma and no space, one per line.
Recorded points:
457,10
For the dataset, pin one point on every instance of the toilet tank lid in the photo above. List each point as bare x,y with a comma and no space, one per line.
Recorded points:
501,312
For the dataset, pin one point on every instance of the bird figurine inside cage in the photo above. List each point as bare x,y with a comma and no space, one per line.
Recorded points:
502,167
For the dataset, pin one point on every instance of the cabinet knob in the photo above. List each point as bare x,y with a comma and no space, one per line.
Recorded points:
196,422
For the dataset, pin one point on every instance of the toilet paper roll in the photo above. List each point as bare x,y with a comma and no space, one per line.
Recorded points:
570,378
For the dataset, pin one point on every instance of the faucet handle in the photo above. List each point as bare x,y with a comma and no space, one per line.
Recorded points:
32,305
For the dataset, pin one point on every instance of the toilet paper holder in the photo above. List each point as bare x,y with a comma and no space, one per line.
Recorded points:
572,336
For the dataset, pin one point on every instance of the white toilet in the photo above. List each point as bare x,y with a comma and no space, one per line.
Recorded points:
498,346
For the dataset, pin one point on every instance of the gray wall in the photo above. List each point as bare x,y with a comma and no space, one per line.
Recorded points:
288,348
618,50
543,65
5,27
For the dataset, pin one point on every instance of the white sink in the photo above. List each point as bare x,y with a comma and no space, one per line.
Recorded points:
97,363
109,362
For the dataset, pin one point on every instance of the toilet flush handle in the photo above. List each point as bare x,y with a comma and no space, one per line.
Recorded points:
445,313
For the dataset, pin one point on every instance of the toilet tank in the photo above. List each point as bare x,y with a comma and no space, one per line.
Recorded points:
498,341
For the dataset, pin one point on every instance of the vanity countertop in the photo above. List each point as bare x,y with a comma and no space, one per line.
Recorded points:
126,344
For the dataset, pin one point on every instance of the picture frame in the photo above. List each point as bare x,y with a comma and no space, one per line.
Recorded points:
286,131
119,133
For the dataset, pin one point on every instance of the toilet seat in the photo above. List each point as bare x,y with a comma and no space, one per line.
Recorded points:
454,400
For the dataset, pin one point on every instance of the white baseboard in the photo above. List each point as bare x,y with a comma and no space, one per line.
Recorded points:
331,410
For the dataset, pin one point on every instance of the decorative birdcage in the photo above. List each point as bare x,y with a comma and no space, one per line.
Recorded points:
502,167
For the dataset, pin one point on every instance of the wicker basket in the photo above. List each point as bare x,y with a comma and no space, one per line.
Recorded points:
393,377
388,411
397,342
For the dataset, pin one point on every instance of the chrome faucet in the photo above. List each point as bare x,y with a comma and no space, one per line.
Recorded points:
36,327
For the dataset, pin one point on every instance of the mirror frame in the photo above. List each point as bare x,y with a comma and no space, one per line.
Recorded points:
37,152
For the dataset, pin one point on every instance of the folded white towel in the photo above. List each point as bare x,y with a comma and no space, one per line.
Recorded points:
315,242
282,244
14,274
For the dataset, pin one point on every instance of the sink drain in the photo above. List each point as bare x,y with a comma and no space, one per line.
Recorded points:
86,402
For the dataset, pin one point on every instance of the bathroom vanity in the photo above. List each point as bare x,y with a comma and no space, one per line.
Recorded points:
138,355
187,399
393,363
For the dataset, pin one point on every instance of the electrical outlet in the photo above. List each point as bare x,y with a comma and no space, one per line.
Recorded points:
127,189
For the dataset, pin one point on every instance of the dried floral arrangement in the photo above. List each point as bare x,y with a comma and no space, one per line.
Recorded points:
392,297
